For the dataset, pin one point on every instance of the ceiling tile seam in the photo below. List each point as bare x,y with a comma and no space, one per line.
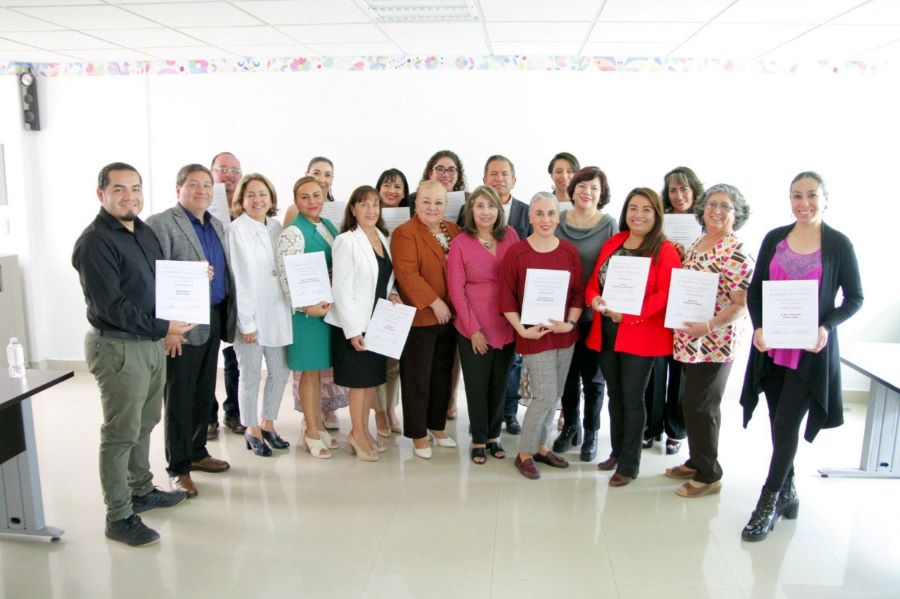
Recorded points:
484,30
699,29
825,22
590,30
878,47
163,26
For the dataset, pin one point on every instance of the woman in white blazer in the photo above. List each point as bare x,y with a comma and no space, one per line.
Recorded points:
362,273
263,313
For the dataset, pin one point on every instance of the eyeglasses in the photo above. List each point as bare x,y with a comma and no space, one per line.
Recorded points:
224,170
450,170
713,206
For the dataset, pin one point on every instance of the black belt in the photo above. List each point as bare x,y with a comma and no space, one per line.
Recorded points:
120,335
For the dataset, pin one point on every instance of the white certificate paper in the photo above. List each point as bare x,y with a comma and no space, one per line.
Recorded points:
388,328
394,217
626,283
307,276
681,228
182,291
334,211
545,296
219,205
455,202
790,314
692,297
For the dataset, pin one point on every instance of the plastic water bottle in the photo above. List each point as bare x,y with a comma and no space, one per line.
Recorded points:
15,355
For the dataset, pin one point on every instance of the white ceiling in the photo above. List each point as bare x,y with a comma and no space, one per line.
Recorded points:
782,30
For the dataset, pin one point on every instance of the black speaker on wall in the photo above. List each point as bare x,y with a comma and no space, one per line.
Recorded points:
31,118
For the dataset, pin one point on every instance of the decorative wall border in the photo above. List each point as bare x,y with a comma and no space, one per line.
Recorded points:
438,63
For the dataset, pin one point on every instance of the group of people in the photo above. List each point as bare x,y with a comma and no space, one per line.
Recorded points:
466,278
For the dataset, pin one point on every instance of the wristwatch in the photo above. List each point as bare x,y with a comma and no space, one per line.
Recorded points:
573,323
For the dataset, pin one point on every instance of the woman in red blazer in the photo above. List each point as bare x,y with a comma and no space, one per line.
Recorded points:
628,343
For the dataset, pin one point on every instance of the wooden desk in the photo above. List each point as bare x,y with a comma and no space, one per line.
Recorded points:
21,504
881,442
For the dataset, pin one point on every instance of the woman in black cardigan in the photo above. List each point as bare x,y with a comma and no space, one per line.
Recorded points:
798,381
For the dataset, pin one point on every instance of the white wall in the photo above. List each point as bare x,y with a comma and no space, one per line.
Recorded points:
755,131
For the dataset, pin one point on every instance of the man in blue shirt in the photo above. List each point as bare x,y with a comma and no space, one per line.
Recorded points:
189,232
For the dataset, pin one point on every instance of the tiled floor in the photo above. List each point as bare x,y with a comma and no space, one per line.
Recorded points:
293,526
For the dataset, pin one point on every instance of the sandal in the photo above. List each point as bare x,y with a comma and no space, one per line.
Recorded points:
478,455
496,450
330,442
315,447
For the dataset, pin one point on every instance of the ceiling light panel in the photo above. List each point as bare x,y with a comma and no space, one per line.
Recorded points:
417,11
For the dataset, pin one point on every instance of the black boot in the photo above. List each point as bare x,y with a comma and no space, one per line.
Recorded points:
589,446
788,503
566,439
763,518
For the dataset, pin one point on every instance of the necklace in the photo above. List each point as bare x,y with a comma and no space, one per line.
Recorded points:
488,245
445,243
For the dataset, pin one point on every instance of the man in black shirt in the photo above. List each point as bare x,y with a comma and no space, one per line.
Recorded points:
115,258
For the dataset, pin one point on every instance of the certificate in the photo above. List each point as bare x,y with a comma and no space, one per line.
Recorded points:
545,296
307,276
334,211
455,201
681,228
394,217
692,297
388,328
182,291
790,314
626,283
219,205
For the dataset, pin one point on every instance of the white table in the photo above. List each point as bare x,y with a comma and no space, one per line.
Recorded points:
881,442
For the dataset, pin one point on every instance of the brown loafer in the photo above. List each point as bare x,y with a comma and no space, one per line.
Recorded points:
691,491
551,459
619,480
210,464
608,464
681,472
527,468
183,482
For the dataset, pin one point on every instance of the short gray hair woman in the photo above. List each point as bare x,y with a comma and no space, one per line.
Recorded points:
706,349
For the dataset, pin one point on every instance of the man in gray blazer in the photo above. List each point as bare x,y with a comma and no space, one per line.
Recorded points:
189,232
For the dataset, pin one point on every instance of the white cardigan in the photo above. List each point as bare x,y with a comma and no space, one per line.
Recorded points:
261,305
354,274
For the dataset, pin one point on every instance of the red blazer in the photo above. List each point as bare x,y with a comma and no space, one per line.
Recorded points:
642,335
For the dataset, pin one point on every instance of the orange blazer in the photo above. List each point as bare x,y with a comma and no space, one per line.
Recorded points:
420,267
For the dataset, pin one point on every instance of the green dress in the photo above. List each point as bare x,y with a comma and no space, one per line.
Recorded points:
311,348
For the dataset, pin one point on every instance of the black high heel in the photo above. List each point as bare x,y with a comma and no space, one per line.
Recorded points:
567,438
763,518
788,505
257,445
273,439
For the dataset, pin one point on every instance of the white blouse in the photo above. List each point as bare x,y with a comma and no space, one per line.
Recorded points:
261,305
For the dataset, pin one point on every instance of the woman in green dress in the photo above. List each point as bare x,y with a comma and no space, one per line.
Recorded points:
310,351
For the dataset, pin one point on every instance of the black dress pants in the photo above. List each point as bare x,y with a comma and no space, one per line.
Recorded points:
426,367
190,390
788,399
584,372
626,379
704,385
231,375
485,377
664,397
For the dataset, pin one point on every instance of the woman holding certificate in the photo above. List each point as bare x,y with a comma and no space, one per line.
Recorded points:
798,376
485,339
665,391
541,297
419,249
629,289
263,312
587,228
362,274
705,348
310,351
